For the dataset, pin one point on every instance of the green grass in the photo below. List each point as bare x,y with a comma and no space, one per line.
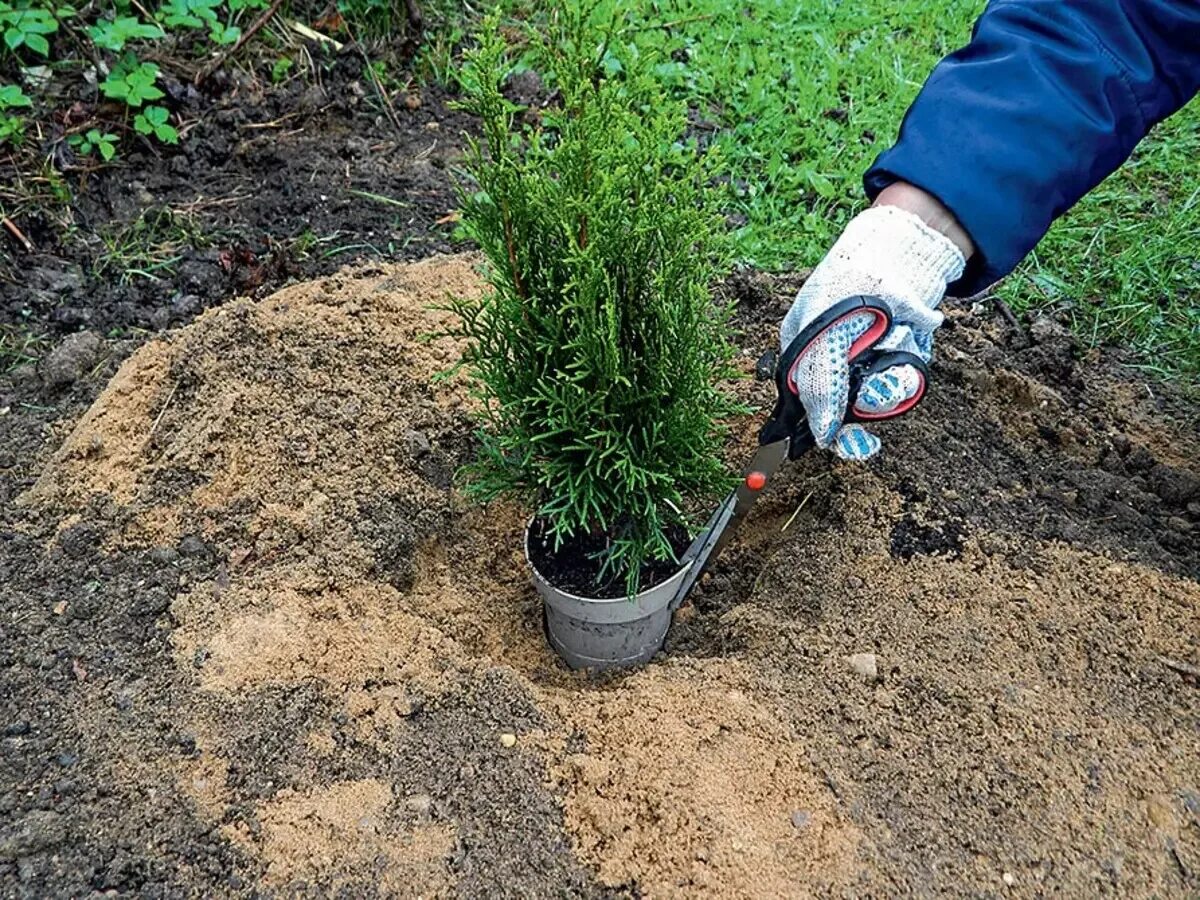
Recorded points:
805,94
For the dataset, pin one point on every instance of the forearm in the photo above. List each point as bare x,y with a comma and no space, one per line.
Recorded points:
930,210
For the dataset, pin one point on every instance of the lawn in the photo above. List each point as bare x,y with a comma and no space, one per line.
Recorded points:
806,94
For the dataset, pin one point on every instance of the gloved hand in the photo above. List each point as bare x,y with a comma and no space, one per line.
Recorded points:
885,252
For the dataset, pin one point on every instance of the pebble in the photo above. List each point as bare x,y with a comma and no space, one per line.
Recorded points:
72,359
421,804
192,546
163,556
864,664
418,444
855,583
16,729
801,818
508,739
1008,879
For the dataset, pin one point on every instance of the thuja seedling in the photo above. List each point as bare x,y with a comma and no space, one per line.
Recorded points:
599,349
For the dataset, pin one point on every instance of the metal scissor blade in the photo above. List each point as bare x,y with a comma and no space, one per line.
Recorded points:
721,525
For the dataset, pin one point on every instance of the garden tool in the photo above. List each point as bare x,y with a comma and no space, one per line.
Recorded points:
861,322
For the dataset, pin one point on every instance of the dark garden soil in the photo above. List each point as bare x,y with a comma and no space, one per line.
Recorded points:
254,643
271,184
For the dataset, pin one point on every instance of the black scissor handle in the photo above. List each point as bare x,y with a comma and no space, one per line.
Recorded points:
788,419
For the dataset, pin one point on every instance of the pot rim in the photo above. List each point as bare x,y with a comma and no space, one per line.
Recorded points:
678,575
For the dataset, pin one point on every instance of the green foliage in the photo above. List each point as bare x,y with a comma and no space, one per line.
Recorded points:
114,34
96,141
12,127
25,23
281,68
153,120
189,13
132,81
206,14
12,97
598,350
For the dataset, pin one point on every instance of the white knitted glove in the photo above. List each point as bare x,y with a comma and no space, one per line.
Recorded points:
888,253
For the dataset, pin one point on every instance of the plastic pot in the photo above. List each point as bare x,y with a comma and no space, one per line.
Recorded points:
597,633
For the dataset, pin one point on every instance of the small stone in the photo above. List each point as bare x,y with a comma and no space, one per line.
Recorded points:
16,729
72,359
160,319
1008,878
60,607
420,804
412,101
864,664
192,546
418,444
855,583
164,556
508,739
801,818
407,706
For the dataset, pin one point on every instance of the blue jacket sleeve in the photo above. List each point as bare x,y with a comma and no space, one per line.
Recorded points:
1049,97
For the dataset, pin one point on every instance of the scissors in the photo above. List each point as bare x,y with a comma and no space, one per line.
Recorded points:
786,434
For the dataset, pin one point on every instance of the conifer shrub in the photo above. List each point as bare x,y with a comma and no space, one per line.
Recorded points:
598,350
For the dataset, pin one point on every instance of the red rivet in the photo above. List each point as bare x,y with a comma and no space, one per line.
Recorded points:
756,481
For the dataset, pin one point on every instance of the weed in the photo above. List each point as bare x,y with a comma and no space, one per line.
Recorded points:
20,346
114,34
150,246
26,23
132,81
280,69
153,120
12,126
96,141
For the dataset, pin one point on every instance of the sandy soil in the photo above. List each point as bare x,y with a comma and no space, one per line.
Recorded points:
259,644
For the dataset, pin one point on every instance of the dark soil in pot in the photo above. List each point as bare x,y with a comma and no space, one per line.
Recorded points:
575,566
